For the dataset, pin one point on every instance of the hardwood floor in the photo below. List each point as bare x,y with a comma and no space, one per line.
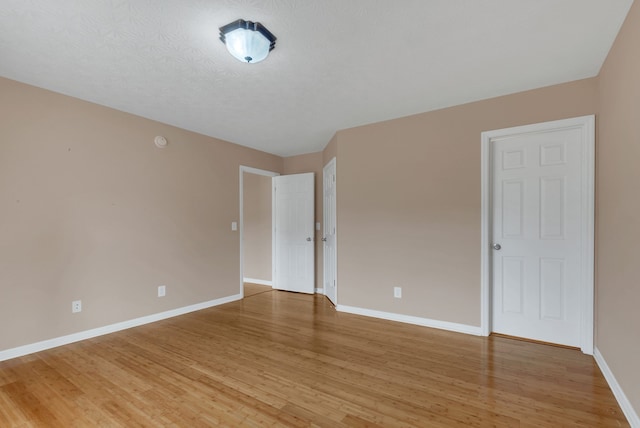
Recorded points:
251,289
286,359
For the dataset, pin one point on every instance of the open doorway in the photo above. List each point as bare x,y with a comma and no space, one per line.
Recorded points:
256,226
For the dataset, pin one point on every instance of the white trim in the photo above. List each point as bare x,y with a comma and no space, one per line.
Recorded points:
623,401
273,233
587,124
256,171
333,162
100,331
319,291
424,322
589,227
485,230
258,281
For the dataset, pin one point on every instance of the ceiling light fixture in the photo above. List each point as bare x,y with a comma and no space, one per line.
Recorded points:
247,41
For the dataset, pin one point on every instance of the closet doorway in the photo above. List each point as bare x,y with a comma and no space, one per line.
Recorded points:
256,226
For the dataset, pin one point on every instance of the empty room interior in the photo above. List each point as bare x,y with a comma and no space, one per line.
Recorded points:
366,213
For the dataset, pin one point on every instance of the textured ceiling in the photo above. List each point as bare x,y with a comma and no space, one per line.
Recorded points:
337,63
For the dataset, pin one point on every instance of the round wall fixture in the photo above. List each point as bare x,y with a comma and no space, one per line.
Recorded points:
160,141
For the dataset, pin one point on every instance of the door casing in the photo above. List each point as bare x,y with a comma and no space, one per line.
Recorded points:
329,211
587,125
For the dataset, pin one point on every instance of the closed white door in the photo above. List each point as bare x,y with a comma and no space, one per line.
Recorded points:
538,234
294,232
329,232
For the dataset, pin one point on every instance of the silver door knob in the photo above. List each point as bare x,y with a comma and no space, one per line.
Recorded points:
308,239
324,239
497,246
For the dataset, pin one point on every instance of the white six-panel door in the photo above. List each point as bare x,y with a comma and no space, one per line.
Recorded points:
539,239
294,232
329,235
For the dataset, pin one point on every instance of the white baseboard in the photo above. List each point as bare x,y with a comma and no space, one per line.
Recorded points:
319,290
425,322
88,334
258,281
623,401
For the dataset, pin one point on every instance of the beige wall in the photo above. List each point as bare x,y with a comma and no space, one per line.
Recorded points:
408,199
90,209
618,209
330,151
311,163
257,226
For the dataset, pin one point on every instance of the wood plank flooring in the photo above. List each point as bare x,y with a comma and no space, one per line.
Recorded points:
286,359
251,289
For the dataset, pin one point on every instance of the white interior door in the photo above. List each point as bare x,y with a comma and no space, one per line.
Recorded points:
329,235
539,234
294,232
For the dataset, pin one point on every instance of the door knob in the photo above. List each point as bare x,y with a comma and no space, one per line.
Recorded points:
497,246
324,239
308,239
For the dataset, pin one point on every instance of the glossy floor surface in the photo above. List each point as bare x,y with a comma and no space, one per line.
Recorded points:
286,359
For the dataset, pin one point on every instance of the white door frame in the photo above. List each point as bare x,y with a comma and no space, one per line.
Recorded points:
587,125
257,171
324,224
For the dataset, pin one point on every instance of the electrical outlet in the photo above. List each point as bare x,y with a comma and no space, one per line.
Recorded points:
76,306
397,292
162,290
